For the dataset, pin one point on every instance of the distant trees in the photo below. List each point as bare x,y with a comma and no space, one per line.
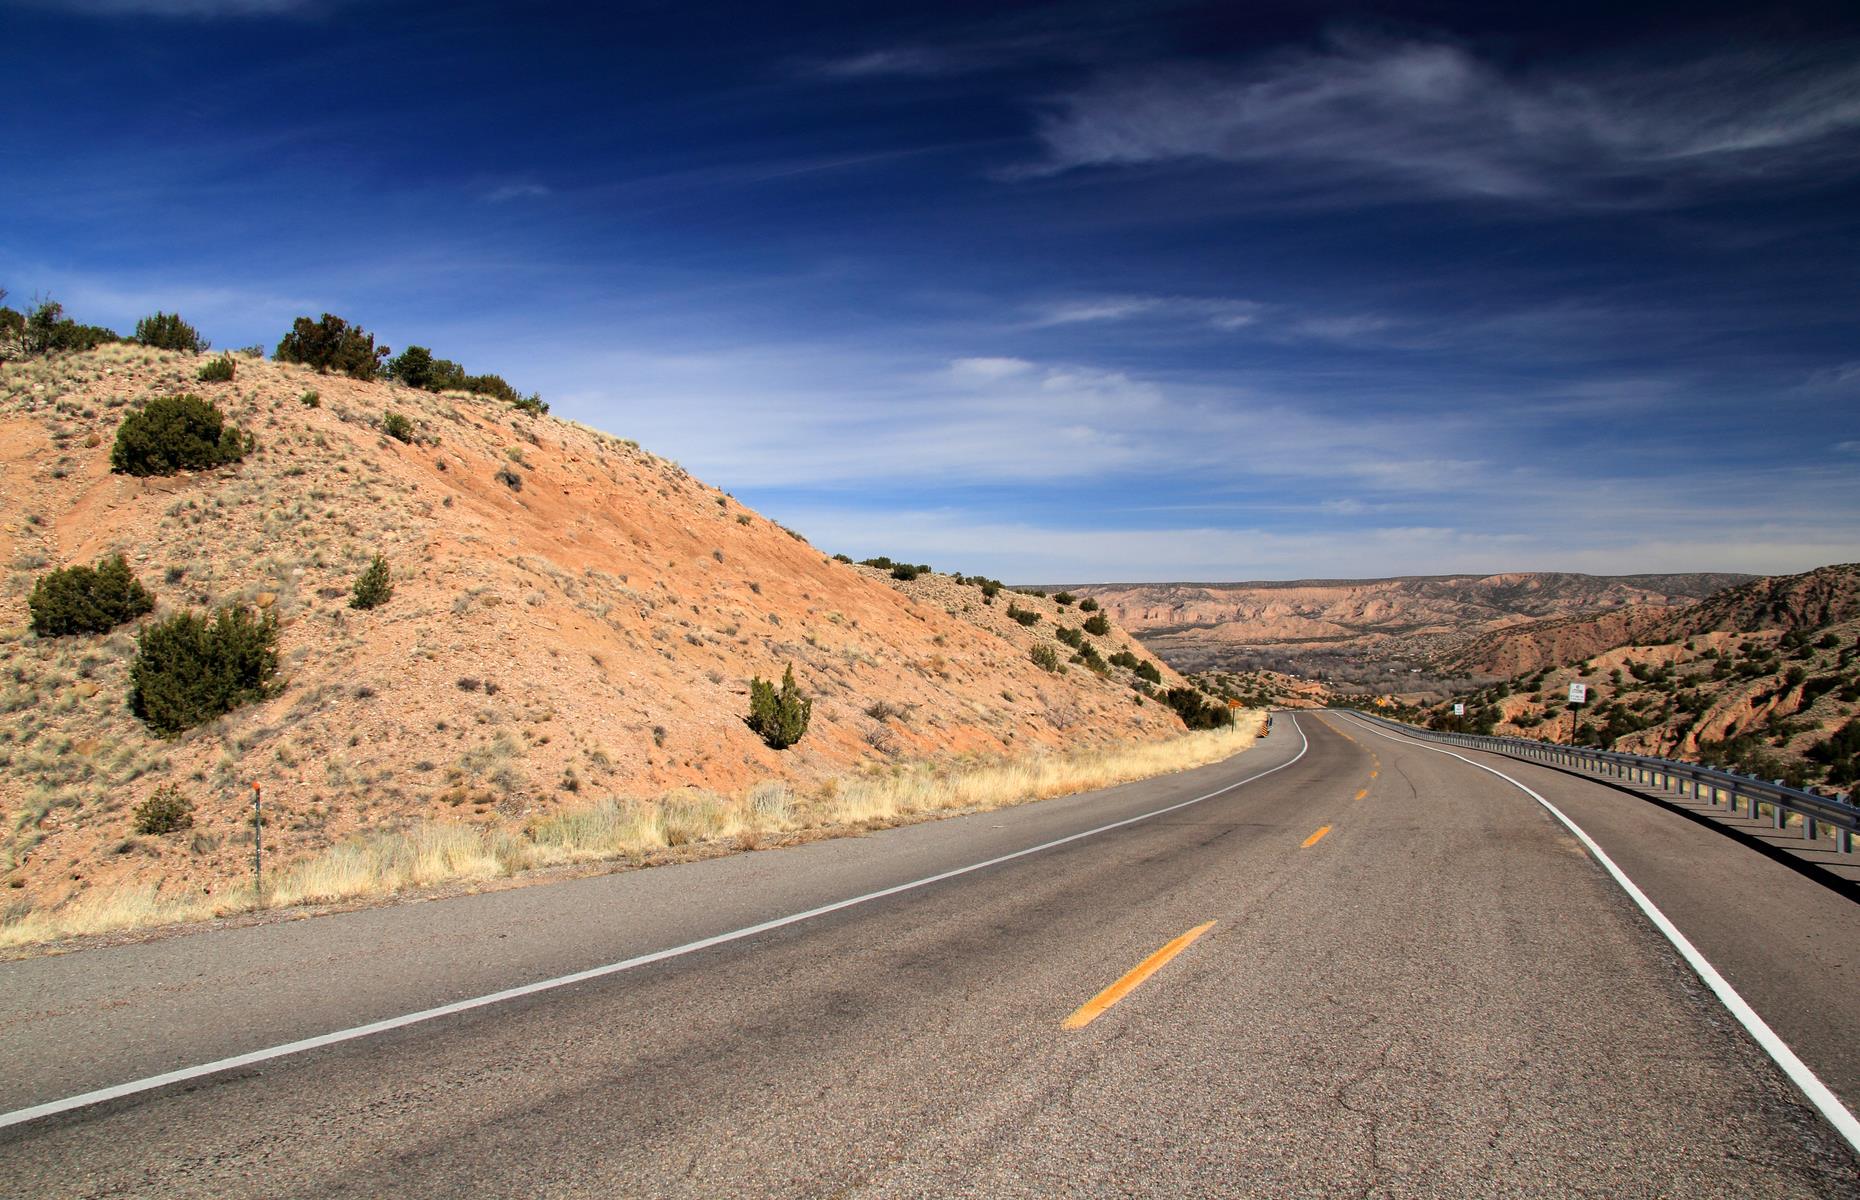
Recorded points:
1196,710
413,367
167,331
332,344
46,330
416,367
49,331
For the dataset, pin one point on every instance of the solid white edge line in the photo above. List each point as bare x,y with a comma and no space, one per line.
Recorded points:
1799,1072
116,1092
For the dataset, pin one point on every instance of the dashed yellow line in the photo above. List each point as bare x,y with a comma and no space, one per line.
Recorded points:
1315,838
1362,793
1093,1008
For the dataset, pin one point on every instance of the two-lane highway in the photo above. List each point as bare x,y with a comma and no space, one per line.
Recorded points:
1368,969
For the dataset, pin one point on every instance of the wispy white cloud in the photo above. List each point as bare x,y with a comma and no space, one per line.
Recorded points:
1215,313
987,370
504,193
920,61
1031,552
1844,377
1432,117
1104,308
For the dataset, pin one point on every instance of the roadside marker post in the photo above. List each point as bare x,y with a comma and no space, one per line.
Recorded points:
1578,696
258,846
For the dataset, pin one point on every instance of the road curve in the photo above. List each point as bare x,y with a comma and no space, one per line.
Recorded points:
1440,993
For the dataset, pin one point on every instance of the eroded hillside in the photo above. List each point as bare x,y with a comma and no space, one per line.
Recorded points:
572,617
1763,677
1355,629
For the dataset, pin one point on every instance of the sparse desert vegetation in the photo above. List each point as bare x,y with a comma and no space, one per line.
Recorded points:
609,614
639,830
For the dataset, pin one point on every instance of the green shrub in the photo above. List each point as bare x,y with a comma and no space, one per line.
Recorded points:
167,331
1089,656
990,589
375,586
1088,605
49,331
1126,660
413,367
12,331
509,479
497,388
332,344
175,433
166,811
1045,657
416,367
87,599
1064,599
1069,636
397,427
1196,711
1097,625
311,400
220,370
1148,670
1024,616
189,669
907,571
840,558
779,718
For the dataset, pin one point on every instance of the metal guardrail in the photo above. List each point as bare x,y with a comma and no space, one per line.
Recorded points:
1840,817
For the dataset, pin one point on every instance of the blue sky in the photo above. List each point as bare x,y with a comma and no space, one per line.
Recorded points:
1095,291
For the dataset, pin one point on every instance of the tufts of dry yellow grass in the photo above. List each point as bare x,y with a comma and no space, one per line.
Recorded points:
630,828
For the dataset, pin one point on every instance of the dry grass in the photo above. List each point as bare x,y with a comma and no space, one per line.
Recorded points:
634,829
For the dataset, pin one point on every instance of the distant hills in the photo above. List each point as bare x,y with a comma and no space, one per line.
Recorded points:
1357,629
1763,677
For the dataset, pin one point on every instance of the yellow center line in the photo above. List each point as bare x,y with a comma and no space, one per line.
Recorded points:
1373,774
1314,838
1362,793
1093,1008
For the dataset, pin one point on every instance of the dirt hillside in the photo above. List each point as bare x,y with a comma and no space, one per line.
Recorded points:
572,618
1811,600
1763,678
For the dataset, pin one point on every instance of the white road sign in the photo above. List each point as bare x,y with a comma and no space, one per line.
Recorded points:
1459,710
1578,693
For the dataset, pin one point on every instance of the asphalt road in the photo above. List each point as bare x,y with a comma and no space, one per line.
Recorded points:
1443,994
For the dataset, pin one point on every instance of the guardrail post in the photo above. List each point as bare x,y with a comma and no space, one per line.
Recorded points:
1844,841
1780,814
1809,832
